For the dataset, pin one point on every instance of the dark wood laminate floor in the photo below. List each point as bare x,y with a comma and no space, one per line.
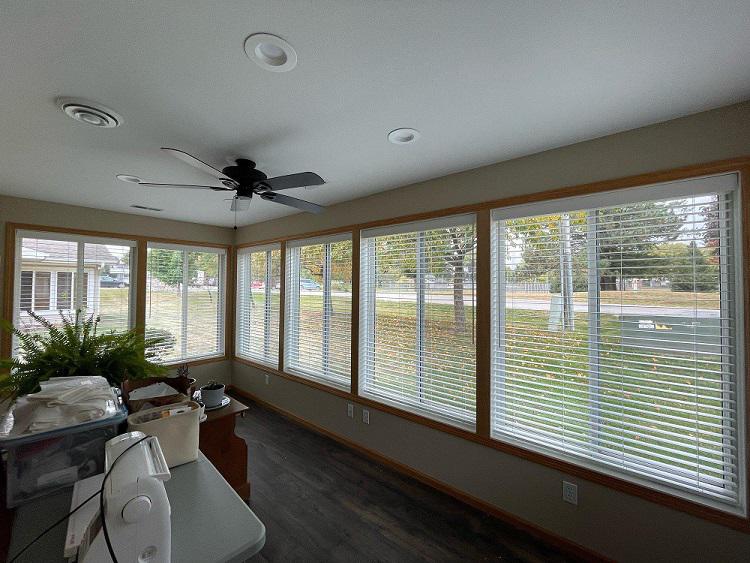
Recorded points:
321,501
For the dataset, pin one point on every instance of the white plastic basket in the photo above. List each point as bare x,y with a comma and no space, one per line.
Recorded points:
178,432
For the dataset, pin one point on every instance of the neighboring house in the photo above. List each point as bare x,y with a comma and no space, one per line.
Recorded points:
49,277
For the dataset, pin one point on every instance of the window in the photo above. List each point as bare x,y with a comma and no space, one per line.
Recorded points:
185,301
258,304
58,274
319,309
417,337
64,290
615,335
42,285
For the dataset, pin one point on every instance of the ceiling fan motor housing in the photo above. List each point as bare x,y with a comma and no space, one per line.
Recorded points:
244,172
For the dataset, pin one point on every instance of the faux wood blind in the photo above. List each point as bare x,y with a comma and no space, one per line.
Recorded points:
417,329
258,303
615,336
318,309
185,301
58,274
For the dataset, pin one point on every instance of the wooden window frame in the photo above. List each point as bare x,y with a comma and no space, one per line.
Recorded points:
481,433
139,307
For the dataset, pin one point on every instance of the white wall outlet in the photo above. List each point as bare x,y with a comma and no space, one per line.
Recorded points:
268,379
365,416
570,492
350,410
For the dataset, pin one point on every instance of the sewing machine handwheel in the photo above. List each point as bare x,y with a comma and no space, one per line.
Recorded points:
136,509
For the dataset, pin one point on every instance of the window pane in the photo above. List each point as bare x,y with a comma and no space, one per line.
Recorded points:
258,302
614,339
27,283
105,286
418,324
42,290
64,290
58,276
205,326
185,302
164,312
319,305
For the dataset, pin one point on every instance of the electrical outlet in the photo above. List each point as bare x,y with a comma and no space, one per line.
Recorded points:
350,410
268,379
570,492
365,416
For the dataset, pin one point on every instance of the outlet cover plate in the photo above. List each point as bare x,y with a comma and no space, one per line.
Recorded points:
570,492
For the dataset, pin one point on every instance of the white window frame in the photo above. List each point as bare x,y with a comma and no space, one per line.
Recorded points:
222,288
367,304
78,270
721,183
291,304
240,328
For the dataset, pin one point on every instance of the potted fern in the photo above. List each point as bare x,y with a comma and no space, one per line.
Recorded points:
75,347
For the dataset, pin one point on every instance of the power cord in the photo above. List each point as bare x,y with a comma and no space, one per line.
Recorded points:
101,498
60,521
100,492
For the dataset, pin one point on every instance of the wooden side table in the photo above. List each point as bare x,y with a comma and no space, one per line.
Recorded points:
226,450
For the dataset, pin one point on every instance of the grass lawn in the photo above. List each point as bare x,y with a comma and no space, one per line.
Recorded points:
547,383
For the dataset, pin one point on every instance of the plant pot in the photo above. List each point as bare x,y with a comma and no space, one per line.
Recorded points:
212,395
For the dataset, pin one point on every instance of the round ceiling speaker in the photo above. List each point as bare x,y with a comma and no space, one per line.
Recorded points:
89,113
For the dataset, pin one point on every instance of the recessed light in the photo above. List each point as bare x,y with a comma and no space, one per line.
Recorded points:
128,178
403,136
89,113
146,208
271,52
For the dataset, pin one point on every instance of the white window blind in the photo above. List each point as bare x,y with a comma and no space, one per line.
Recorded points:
417,318
258,304
615,334
185,296
318,309
58,274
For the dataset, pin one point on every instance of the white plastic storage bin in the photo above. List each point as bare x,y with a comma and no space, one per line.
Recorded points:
175,425
41,463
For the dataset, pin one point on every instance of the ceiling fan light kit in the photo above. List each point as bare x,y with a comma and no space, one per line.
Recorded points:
270,52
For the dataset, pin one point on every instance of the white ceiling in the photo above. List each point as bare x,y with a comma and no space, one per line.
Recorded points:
483,81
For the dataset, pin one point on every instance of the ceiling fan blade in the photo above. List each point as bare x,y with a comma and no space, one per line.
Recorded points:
198,163
294,181
292,202
189,186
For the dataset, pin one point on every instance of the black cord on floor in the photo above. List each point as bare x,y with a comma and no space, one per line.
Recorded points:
60,521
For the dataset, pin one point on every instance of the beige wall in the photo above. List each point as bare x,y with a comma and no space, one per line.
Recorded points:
18,210
612,523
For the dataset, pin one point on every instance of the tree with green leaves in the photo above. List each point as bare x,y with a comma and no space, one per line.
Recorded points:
165,265
627,237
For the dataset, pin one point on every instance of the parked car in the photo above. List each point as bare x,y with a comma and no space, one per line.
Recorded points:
257,284
109,281
308,285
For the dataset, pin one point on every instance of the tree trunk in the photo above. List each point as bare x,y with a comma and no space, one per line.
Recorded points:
459,309
608,283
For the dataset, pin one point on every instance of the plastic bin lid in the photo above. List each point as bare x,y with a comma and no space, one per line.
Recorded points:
120,414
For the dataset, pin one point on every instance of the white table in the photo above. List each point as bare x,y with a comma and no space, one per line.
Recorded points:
210,523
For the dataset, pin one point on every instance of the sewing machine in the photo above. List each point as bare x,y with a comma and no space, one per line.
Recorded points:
136,506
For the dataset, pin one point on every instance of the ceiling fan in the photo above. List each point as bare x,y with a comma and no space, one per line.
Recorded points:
246,180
